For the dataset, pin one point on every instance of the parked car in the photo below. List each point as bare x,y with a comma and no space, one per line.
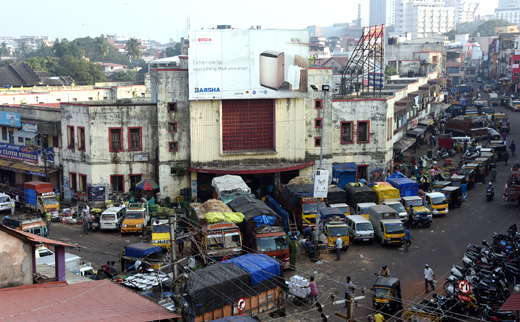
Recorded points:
493,135
479,79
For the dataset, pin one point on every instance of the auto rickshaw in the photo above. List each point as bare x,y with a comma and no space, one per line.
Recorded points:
471,176
502,126
485,164
457,180
489,155
499,151
480,170
439,185
386,296
453,195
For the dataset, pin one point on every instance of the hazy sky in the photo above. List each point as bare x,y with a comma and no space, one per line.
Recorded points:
163,19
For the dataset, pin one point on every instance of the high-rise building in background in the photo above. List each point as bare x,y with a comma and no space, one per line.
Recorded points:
382,12
423,17
508,10
464,9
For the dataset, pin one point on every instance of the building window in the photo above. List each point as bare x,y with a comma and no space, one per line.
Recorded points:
58,100
135,138
4,134
318,104
116,139
90,98
72,181
74,99
517,62
515,74
363,135
21,140
134,179
347,132
81,138
317,142
248,125
105,97
82,183
172,127
172,107
70,137
174,147
318,123
118,183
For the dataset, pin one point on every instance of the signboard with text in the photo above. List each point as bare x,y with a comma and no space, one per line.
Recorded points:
18,152
10,119
321,183
29,127
96,193
242,64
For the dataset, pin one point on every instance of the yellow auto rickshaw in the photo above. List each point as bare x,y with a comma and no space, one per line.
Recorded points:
453,195
457,180
439,185
386,296
471,177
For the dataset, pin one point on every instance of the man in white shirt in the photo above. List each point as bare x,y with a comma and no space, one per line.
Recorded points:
339,246
429,276
349,290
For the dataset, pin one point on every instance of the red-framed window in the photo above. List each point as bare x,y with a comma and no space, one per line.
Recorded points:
318,104
81,138
173,146
363,131
115,139
172,107
317,142
70,137
134,179
135,139
73,183
347,132
117,182
172,127
318,123
82,183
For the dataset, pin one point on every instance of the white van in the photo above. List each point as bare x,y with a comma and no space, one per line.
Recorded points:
5,201
112,218
360,228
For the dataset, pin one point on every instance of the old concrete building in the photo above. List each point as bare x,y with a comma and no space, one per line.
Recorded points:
112,144
420,58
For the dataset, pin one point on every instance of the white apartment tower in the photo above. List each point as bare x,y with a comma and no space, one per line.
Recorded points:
508,10
463,9
382,12
423,17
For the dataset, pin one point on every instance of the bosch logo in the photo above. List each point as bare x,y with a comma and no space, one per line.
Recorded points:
207,89
206,40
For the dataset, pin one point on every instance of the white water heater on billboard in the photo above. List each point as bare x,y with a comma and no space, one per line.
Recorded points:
272,69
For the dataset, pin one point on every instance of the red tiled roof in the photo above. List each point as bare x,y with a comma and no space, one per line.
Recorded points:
512,303
34,238
90,301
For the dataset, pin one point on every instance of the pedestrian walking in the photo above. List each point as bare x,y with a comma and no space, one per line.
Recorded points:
180,243
48,219
301,245
349,291
506,157
378,317
512,146
12,205
407,238
493,175
432,172
429,276
464,190
410,217
465,146
504,135
85,224
339,246
314,290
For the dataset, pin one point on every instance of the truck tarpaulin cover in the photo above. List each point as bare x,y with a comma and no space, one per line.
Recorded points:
141,250
386,192
336,195
293,192
271,203
326,213
259,266
406,186
251,208
359,194
265,220
229,183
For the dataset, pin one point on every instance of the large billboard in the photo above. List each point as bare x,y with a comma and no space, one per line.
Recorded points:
238,64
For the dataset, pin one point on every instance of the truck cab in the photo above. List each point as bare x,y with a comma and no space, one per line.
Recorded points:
40,197
28,223
161,236
309,208
512,188
5,202
112,218
136,218
343,207
397,206
272,241
362,209
436,202
333,224
388,228
418,205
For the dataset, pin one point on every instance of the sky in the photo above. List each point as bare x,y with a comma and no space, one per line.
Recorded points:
161,20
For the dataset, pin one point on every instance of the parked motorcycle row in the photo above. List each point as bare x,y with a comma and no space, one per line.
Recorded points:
489,269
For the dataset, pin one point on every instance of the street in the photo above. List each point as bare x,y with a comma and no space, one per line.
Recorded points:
441,246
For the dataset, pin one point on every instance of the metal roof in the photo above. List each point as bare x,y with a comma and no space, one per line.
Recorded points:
90,301
35,238
512,303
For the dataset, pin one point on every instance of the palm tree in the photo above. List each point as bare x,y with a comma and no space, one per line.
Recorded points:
133,52
4,50
24,50
101,47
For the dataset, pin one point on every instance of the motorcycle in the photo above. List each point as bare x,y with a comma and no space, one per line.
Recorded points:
421,220
490,193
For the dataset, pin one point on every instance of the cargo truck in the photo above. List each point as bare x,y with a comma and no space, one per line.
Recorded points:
40,197
471,126
213,242
334,224
136,218
29,223
386,193
229,187
388,228
262,229
359,194
299,202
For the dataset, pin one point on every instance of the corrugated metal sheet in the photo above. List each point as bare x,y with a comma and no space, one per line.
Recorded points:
512,303
205,131
78,302
35,238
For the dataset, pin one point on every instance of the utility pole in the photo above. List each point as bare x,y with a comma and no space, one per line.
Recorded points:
44,154
173,257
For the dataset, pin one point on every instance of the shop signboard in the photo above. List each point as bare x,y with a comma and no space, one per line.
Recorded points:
18,152
10,119
96,193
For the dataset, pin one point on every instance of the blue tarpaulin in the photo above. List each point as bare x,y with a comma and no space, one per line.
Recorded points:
264,220
141,250
397,174
259,266
271,203
326,213
407,187
345,173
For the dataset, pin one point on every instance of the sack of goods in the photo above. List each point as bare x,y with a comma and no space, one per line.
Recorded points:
298,286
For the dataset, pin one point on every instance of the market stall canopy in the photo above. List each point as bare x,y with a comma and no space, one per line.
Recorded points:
404,144
416,132
146,184
425,122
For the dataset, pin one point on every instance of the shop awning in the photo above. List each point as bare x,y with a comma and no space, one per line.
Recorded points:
25,134
425,122
252,169
25,168
404,144
416,132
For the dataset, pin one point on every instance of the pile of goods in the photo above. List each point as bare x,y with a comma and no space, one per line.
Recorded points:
298,286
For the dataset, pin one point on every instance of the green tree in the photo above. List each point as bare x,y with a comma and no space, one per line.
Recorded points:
488,28
451,34
43,51
133,52
102,48
24,50
4,50
124,76
174,51
7,62
66,48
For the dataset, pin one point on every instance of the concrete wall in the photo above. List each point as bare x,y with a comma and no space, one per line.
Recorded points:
16,264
